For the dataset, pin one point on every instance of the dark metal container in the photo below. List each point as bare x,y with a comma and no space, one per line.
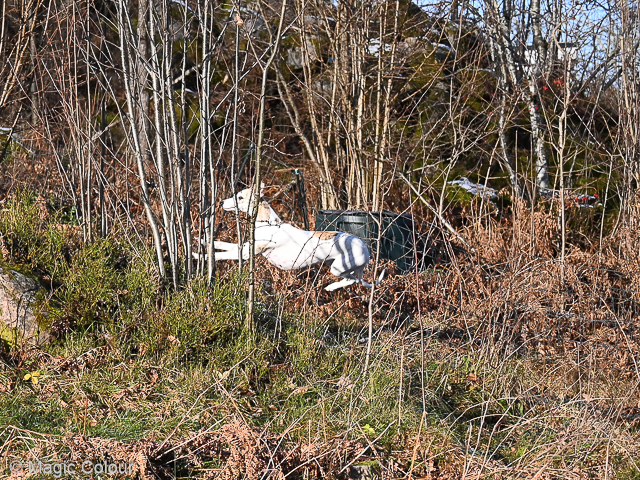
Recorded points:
396,241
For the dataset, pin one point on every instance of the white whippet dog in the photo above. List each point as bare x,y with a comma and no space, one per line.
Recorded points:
290,248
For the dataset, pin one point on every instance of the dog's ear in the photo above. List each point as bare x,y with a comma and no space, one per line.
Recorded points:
262,189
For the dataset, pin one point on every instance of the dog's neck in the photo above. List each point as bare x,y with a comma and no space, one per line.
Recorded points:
266,215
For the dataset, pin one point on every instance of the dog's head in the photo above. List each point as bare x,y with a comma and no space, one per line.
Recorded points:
244,200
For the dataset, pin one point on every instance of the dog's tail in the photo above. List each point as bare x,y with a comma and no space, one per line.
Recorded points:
380,278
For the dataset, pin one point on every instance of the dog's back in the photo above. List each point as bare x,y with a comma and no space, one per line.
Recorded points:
291,248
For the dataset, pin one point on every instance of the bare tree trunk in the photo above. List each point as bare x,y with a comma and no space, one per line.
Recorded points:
128,78
534,103
630,113
537,134
317,150
384,139
275,48
207,181
234,142
542,166
501,24
11,70
141,78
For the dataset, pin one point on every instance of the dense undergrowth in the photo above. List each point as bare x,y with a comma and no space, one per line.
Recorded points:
479,369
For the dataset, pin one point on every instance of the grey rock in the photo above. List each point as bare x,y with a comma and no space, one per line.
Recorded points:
296,57
361,472
18,321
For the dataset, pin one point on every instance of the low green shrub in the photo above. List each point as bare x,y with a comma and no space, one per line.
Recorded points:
34,237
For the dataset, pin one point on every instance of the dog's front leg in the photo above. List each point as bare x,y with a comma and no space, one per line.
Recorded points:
260,248
228,254
231,251
217,245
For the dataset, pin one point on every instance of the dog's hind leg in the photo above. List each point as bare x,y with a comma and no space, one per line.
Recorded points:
351,277
348,278
342,283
